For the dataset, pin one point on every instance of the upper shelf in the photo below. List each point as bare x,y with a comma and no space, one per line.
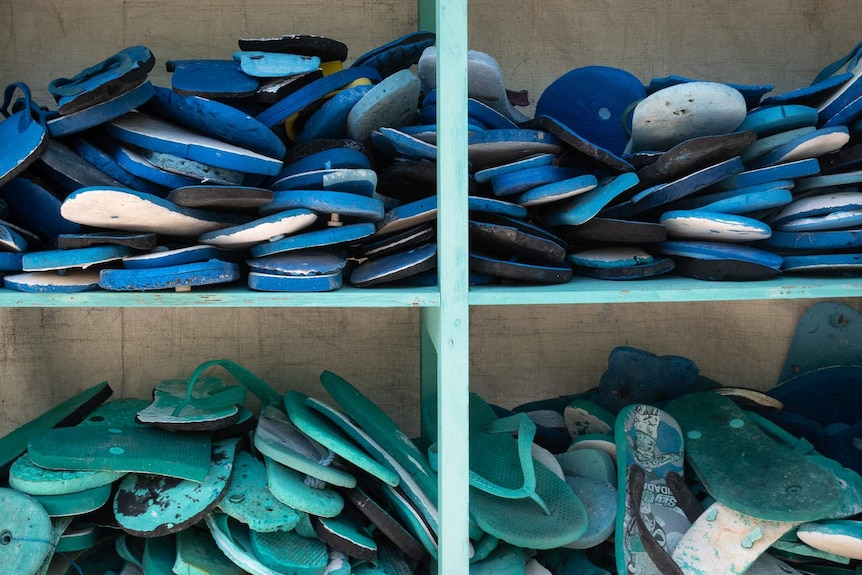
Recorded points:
578,291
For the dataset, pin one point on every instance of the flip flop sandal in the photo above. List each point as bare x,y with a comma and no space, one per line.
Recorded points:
10,262
557,191
529,163
319,429
813,145
584,417
154,134
24,139
73,504
839,537
818,241
163,257
504,475
720,251
137,164
395,267
518,181
678,113
294,490
267,228
326,159
743,200
398,54
334,204
484,81
361,181
142,241
285,283
808,95
26,533
29,478
78,258
67,413
344,533
652,519
52,282
227,198
326,237
249,501
600,502
410,515
260,64
326,49
301,263
716,428
609,258
155,506
77,538
68,171
635,376
103,81
304,97
197,552
106,162
512,240
36,208
788,171
418,482
613,231
771,120
819,205
663,194
280,440
386,524
391,103
839,264
330,120
633,272
122,446
194,171
398,143
399,241
751,93
480,116
180,278
695,154
216,120
723,269
592,101
495,147
578,151
812,185
767,145
512,270
594,464
407,216
504,558
584,207
712,226
834,221
725,537
128,210
216,79
101,113
478,204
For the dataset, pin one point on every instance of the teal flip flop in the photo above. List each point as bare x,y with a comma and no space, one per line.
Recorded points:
154,505
77,537
279,439
72,504
249,500
234,540
289,553
160,553
512,496
746,470
328,435
291,488
197,553
25,533
346,533
650,520
29,478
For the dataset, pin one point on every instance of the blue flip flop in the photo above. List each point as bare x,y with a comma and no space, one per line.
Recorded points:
813,145
324,282
326,159
259,64
788,171
161,258
407,216
766,196
764,146
395,267
36,208
843,264
772,120
154,134
179,278
22,139
330,120
216,120
265,229
394,142
494,147
826,240
138,165
78,258
396,55
101,113
720,251
526,178
218,79
833,221
529,163
325,203
807,95
513,270
106,162
361,181
557,191
751,92
391,103
702,225
51,282
819,205
592,102
315,239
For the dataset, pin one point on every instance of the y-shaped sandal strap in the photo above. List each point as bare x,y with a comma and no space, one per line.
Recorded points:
230,395
657,554
526,431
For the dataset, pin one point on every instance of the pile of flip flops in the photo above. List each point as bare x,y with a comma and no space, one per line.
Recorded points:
657,470
285,169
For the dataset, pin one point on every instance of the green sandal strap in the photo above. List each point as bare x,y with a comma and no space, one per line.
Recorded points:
229,395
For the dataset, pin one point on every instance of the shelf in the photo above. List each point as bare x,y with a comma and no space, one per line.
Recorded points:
666,289
229,297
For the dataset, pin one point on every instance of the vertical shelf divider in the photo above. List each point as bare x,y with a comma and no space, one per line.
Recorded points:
450,321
